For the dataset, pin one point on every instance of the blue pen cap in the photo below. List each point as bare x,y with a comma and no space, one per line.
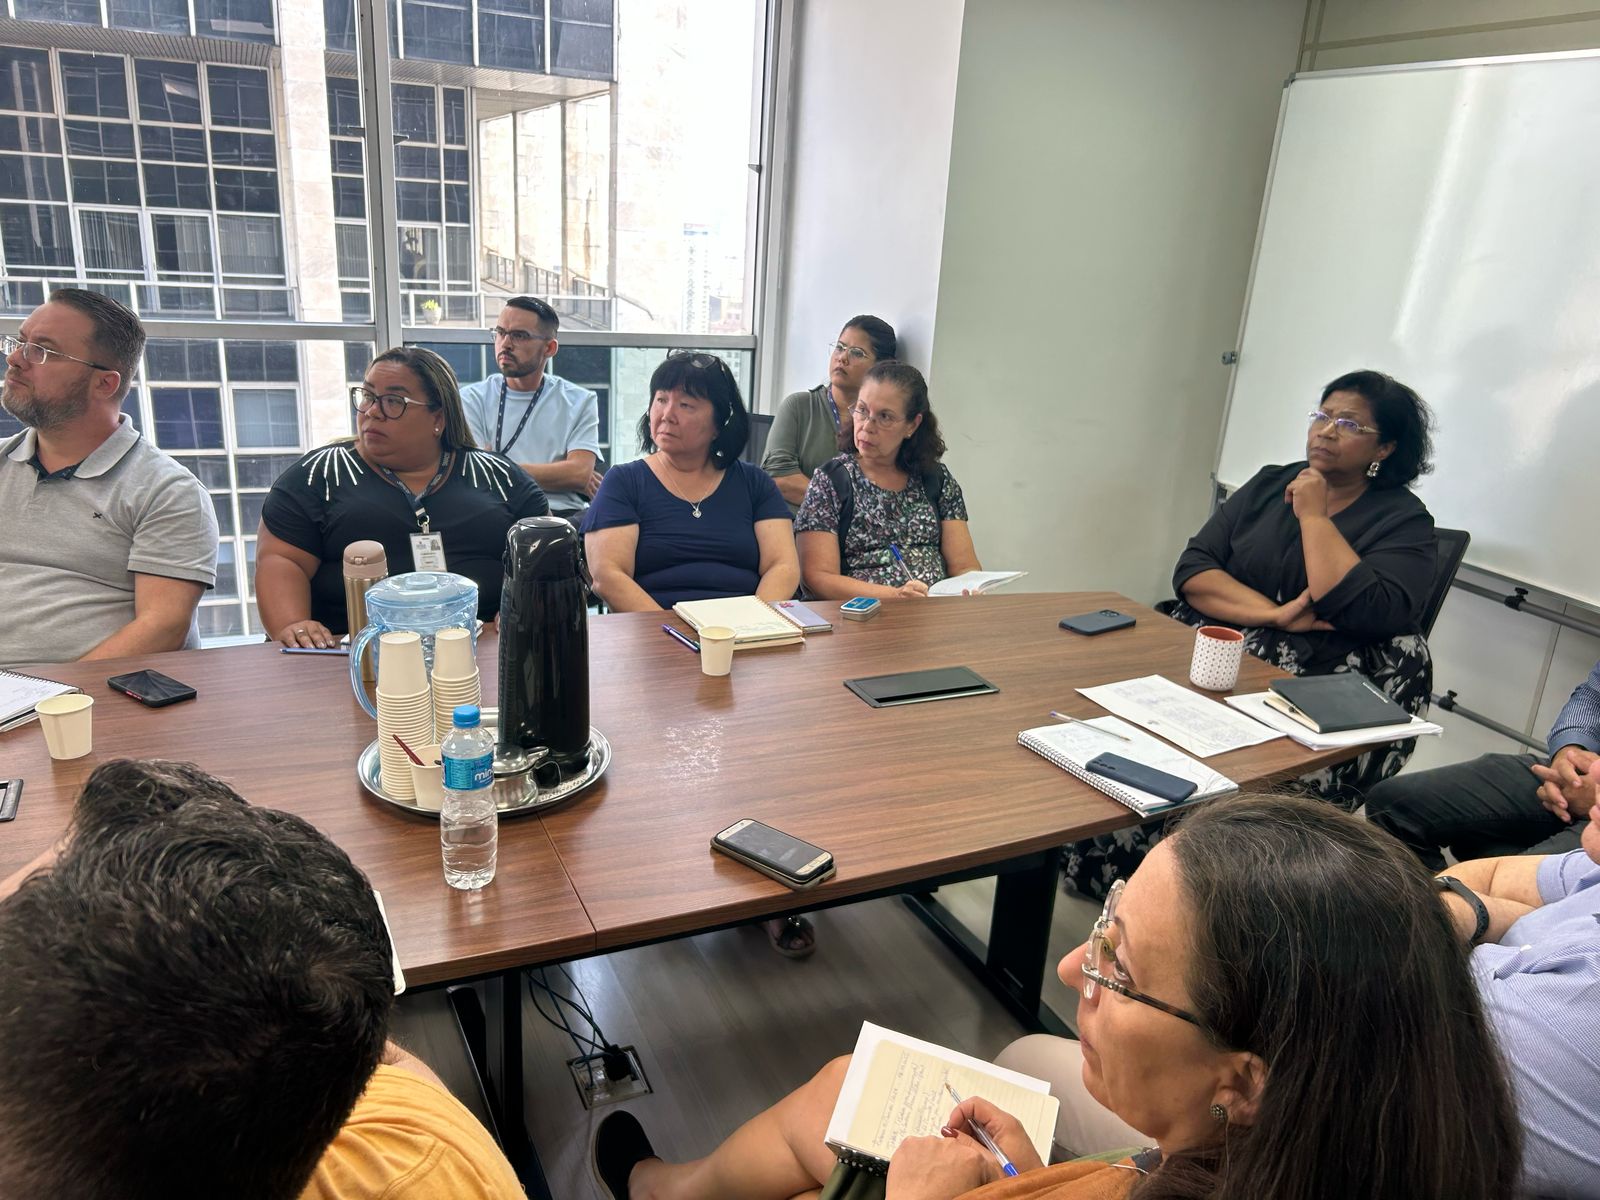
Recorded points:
466,716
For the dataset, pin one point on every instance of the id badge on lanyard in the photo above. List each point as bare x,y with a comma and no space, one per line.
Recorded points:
427,547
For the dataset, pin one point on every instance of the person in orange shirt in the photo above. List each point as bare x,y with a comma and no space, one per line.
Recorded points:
195,1002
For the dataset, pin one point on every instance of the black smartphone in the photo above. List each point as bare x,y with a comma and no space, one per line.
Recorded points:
776,854
1164,784
151,688
10,797
1103,621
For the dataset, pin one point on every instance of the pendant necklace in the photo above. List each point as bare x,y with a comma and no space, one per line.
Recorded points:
694,505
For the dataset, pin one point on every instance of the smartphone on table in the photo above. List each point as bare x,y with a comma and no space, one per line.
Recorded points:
776,854
152,688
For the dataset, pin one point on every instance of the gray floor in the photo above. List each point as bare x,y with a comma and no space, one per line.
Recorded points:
725,1027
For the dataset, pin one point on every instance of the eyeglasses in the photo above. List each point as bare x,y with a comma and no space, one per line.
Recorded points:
855,352
34,353
699,360
1345,426
517,337
1102,952
391,405
883,420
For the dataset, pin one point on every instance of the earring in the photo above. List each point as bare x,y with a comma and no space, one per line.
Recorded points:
1372,469
1218,1113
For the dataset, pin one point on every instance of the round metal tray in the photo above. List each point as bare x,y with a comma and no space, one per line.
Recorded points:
511,793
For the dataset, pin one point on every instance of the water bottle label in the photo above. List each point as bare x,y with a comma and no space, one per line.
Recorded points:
468,774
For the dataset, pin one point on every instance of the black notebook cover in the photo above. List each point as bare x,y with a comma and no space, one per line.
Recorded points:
1338,703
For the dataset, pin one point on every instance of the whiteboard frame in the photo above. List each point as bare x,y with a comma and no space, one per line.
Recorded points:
1272,172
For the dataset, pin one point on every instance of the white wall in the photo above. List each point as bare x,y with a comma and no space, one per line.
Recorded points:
875,89
1106,177
1514,668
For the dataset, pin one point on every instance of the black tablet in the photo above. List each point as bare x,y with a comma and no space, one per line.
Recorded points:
917,687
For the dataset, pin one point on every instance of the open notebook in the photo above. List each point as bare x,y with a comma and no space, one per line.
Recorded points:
1072,744
974,581
894,1089
19,693
753,622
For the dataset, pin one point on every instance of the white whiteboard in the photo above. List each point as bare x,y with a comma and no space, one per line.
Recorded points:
1442,223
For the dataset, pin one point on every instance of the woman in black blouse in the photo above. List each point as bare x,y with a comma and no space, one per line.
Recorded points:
411,468
1324,565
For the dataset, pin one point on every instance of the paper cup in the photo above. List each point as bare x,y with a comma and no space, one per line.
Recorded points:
400,667
1217,654
68,724
452,655
716,650
428,779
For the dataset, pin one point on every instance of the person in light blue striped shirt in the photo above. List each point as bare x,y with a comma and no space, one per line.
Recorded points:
1537,967
1501,803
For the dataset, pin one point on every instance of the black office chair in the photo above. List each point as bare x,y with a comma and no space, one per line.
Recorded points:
756,448
1453,545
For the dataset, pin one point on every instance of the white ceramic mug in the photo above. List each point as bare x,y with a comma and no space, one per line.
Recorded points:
1218,651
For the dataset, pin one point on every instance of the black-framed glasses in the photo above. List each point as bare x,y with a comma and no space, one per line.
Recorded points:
1102,954
855,352
391,404
36,354
1344,425
518,337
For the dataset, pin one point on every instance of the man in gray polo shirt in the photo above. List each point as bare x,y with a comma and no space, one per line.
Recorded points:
106,543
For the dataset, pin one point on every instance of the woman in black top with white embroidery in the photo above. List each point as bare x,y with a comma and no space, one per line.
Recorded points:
411,468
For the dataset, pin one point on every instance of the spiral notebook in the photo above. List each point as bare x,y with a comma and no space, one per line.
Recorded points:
752,621
1073,743
894,1089
19,693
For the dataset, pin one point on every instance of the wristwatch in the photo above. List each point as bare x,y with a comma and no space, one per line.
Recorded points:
1449,883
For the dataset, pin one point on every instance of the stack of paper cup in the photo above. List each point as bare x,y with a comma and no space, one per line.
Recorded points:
455,677
405,710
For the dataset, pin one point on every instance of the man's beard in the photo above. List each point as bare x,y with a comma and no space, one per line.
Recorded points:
518,370
28,408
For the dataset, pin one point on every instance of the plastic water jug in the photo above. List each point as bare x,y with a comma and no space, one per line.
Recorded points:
422,602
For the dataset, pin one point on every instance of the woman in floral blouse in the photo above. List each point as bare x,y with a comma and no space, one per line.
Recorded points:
885,518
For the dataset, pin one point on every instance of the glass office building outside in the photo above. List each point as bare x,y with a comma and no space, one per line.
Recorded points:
210,164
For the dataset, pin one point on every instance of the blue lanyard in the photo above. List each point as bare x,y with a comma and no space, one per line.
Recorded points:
434,485
833,408
500,421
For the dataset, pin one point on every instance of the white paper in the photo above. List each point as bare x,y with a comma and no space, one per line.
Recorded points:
1080,741
974,581
19,693
1199,725
1255,705
919,1103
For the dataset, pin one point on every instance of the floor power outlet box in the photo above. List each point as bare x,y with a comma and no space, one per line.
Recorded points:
596,1088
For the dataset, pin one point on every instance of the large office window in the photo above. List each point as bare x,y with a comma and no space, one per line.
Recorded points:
592,152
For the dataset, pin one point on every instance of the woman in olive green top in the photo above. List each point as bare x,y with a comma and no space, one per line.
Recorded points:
805,432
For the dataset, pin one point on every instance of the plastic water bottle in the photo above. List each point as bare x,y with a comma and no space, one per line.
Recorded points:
469,824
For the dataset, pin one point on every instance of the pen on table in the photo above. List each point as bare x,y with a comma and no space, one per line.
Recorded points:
982,1135
1061,716
676,636
901,559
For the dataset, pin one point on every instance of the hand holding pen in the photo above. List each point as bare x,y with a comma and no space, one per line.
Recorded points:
913,588
968,1111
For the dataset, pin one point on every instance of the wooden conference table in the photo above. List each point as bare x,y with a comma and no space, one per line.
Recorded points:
904,797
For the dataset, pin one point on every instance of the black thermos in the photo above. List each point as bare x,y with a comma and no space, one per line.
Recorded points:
544,644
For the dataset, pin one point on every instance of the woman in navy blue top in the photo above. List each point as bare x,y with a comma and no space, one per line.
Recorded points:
690,521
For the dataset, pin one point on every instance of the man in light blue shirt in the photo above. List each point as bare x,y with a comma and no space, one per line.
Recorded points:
1501,803
547,425
1537,967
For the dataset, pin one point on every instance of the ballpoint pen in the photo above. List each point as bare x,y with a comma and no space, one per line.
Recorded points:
1006,1166
900,558
1061,716
673,633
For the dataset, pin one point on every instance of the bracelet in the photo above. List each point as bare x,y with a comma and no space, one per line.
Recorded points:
1449,883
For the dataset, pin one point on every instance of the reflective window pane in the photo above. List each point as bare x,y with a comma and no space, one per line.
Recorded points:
32,177
187,418
95,85
25,80
266,417
168,91
35,235
101,139
158,16
264,362
97,181
77,12
182,360
239,97
111,241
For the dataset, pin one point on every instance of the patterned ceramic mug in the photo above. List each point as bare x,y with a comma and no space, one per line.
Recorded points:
1217,654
